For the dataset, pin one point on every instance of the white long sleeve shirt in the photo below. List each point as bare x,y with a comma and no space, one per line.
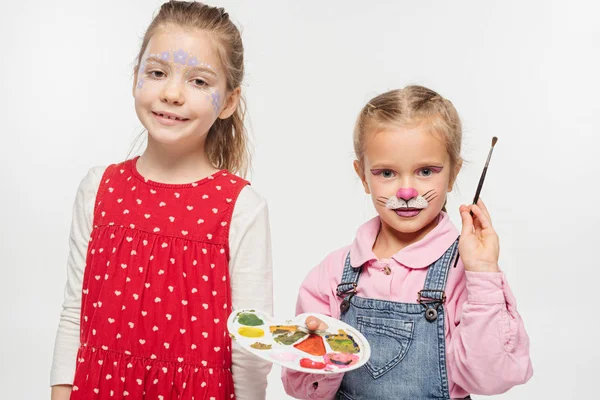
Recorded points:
249,267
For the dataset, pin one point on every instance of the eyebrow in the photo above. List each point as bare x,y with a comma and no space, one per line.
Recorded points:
202,68
390,166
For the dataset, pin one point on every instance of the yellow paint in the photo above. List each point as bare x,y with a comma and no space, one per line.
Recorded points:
250,332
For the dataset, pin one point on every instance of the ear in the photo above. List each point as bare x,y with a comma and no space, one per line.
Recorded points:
455,172
231,103
360,171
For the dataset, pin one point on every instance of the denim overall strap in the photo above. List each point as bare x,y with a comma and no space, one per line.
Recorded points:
347,288
437,276
349,278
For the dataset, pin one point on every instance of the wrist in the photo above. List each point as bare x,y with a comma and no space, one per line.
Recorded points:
482,267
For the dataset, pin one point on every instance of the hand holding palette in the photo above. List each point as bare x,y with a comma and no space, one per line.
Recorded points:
336,349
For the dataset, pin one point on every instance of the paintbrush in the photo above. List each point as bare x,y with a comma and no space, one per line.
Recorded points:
487,163
480,185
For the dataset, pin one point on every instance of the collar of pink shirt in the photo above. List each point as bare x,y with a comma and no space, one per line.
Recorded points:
420,254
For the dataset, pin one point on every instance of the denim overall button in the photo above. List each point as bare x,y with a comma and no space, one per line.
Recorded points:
431,314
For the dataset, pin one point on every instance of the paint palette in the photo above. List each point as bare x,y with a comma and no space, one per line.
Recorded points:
339,348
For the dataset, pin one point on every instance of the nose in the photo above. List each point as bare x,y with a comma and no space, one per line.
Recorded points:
406,193
172,93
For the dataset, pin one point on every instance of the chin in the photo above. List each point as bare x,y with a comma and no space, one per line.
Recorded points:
166,137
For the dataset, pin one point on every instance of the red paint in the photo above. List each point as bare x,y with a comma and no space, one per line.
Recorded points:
308,363
312,345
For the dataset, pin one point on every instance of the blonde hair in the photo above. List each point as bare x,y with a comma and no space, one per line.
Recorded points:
411,106
227,144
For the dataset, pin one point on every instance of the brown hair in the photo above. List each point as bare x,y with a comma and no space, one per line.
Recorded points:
227,144
411,106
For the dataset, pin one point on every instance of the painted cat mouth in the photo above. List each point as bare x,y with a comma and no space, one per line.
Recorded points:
405,212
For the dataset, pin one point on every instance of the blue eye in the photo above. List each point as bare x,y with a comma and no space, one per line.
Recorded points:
386,173
428,171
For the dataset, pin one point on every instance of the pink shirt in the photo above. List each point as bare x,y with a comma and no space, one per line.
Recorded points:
486,343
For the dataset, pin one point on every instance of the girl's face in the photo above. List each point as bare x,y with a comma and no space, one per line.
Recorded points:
180,87
407,172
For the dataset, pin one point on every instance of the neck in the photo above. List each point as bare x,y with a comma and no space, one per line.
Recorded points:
174,164
390,241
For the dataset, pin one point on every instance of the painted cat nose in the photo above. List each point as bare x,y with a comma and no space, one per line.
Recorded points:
406,194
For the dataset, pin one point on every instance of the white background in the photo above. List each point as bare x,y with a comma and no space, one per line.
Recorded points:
525,71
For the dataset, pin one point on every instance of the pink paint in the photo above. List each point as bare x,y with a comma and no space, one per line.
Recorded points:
341,360
406,193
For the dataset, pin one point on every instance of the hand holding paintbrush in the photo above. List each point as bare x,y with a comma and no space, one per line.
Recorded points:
479,246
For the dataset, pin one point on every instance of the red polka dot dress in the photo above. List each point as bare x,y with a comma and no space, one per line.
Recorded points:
156,292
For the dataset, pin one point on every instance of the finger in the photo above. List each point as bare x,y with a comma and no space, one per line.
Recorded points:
467,221
476,222
483,207
314,323
483,220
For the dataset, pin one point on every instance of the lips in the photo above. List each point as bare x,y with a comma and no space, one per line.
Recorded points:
407,212
171,116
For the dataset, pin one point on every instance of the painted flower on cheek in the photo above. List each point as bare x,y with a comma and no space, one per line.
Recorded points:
216,101
180,57
140,81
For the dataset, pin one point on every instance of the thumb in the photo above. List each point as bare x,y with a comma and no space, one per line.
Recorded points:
314,323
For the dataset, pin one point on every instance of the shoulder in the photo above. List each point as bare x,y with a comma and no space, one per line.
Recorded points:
90,182
250,198
249,204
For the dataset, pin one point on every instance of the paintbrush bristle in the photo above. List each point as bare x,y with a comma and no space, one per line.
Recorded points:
494,140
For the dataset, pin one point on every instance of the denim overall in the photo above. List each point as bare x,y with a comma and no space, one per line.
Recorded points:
408,344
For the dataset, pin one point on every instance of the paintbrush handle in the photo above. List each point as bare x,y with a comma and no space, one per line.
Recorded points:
480,185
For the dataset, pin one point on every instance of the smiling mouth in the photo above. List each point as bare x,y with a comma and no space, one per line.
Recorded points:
170,116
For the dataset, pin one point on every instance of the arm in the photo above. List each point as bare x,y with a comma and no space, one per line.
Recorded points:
67,336
314,296
488,351
251,285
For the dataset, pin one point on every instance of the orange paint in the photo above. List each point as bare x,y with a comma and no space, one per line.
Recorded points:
313,345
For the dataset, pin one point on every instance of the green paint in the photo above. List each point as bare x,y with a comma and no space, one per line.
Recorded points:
249,319
289,339
260,346
342,344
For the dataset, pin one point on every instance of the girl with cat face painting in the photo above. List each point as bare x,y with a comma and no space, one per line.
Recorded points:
436,332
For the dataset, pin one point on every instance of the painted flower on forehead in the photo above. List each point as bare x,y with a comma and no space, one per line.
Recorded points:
180,57
192,61
165,56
